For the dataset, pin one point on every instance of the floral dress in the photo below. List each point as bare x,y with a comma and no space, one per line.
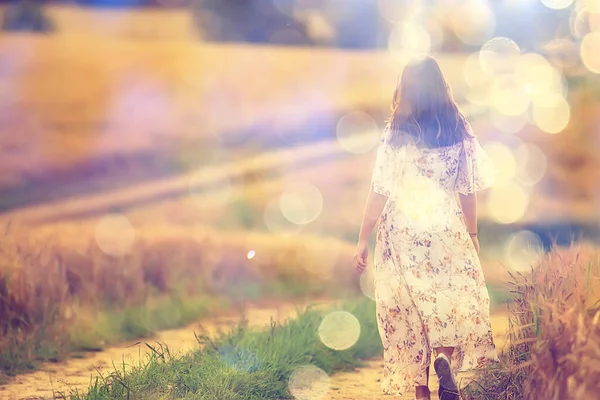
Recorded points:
429,286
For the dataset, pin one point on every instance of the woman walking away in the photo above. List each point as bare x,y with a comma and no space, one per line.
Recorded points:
429,286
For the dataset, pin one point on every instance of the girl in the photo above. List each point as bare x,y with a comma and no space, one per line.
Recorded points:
430,289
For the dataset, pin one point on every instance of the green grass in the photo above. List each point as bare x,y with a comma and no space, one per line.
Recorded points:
22,353
241,364
166,312
93,331
244,363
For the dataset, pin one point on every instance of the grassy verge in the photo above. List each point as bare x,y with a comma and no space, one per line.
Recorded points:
92,331
164,312
552,351
245,364
57,300
242,364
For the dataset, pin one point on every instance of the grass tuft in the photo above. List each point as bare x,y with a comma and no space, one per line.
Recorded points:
242,363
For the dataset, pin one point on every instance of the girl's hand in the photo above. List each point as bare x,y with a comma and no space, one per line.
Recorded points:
360,257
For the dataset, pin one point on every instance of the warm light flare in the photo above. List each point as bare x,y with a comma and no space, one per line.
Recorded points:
309,383
339,330
507,204
114,234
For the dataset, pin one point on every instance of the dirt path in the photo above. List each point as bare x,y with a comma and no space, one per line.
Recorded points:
364,383
75,374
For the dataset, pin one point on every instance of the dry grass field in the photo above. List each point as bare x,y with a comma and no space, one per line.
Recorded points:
552,350
92,126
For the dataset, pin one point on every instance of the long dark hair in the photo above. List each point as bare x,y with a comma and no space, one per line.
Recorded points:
423,109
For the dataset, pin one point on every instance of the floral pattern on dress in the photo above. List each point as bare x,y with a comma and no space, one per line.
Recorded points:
429,286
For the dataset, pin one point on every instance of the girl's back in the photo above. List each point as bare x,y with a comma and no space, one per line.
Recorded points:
422,182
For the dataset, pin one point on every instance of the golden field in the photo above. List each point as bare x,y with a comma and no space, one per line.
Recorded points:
118,111
552,350
109,98
150,121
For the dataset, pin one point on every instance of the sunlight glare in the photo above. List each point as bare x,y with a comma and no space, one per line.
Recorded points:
479,95
532,164
424,203
557,4
539,77
473,22
523,250
276,222
590,52
353,203
339,330
387,286
552,113
508,123
498,55
473,71
301,202
114,234
592,6
563,53
357,132
508,95
578,24
503,158
436,34
322,259
395,11
408,40
309,383
507,204
367,283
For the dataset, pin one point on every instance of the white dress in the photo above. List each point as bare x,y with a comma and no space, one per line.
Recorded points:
429,286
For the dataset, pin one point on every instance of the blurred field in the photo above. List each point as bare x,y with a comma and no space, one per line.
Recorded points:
130,127
118,115
128,116
143,24
109,101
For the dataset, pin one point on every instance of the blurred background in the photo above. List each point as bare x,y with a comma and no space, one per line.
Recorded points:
224,147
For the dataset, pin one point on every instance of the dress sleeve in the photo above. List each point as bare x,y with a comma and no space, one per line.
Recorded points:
386,169
475,169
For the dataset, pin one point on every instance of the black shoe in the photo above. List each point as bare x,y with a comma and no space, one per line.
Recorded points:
448,388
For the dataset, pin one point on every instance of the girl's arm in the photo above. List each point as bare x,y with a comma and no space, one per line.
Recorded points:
468,203
371,214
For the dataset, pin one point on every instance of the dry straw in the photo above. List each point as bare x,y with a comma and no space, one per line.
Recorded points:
554,337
